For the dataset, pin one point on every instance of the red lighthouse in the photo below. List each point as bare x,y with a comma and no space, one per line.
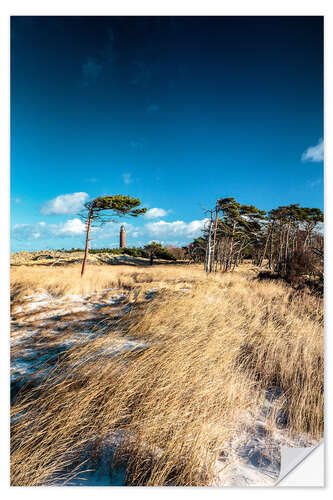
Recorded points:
122,237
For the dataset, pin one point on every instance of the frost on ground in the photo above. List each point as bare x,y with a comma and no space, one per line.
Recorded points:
254,453
254,456
43,327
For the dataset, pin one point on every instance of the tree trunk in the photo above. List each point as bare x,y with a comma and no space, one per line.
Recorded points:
270,263
208,249
229,259
307,237
286,250
89,219
214,240
279,258
265,249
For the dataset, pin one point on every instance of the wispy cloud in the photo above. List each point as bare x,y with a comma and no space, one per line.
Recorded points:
65,204
314,153
101,63
142,74
91,71
155,213
152,108
92,179
138,144
315,182
41,230
127,178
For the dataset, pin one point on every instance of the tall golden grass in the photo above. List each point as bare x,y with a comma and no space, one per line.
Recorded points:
59,281
207,350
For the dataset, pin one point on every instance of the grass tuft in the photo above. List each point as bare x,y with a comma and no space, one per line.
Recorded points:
203,351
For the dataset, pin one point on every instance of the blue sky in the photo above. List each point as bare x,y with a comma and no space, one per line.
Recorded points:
177,111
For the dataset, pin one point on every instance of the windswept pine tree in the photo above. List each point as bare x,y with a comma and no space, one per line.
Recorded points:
291,229
108,208
233,229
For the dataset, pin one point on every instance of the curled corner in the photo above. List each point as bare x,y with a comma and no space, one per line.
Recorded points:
291,457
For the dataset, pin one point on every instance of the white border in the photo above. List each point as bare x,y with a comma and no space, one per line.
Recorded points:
140,7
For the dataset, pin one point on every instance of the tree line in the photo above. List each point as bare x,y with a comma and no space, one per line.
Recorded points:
287,240
154,248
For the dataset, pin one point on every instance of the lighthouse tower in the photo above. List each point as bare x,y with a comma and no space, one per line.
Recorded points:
122,237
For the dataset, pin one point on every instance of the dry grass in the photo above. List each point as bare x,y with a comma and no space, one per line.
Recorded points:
59,281
203,356
56,258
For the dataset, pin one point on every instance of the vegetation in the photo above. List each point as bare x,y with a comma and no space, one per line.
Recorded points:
167,408
155,251
287,240
188,359
177,252
132,251
106,208
196,251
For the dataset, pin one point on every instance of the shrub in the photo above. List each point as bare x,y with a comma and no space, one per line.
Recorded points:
155,250
301,264
178,253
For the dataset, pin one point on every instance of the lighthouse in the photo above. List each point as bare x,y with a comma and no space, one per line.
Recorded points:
122,237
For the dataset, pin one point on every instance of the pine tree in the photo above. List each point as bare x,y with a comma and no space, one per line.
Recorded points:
108,208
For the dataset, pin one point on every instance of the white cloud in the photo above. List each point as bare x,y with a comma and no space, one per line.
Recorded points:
155,213
111,230
179,227
41,230
73,227
127,178
314,153
65,204
26,232
108,234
